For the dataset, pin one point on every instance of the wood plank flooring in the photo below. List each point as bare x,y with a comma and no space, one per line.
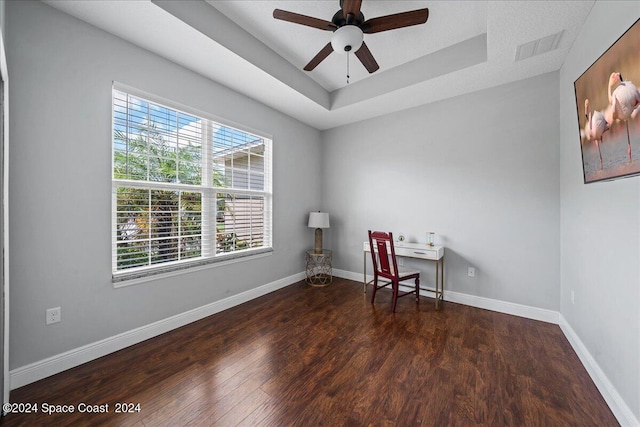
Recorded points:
306,356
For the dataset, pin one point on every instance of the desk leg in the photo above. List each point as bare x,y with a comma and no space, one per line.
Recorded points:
364,278
437,284
442,281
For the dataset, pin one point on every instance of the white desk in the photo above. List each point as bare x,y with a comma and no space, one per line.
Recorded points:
418,251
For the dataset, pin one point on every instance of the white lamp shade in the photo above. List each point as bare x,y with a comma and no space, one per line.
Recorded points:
318,220
347,36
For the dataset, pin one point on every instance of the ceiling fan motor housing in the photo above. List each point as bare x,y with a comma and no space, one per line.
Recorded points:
339,19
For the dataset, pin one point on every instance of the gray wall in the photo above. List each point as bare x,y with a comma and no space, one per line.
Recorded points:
4,377
600,235
480,170
2,17
61,72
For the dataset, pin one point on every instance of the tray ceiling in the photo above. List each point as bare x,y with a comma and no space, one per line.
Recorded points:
464,46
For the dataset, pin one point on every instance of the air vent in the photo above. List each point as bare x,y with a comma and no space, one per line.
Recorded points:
538,47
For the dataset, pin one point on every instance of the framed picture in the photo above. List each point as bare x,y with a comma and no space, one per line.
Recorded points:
608,108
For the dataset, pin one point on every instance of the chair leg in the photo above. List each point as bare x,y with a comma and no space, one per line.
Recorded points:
375,288
395,285
417,290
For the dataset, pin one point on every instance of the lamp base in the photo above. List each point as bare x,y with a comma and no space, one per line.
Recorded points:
317,247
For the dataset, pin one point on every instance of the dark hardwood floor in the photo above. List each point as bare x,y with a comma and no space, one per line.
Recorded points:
306,356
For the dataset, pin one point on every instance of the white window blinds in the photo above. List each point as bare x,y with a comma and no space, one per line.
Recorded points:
186,190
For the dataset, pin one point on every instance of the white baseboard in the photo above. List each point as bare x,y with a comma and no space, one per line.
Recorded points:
520,310
350,275
616,403
534,313
67,360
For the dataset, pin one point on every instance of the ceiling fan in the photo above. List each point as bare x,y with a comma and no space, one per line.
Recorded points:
349,26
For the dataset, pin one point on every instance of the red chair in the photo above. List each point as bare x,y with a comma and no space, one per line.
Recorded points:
383,257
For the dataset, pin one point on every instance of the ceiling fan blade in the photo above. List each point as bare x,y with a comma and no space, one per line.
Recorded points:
351,7
367,59
309,21
319,57
397,20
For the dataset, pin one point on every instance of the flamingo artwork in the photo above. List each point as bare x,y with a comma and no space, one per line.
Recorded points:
595,127
624,102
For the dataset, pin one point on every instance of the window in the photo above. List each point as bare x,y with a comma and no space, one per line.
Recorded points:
186,190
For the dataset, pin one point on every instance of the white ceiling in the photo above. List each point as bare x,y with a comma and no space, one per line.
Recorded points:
464,46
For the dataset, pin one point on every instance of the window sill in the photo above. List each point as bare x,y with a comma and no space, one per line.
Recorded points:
128,278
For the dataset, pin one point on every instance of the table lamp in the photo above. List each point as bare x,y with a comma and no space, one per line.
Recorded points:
318,220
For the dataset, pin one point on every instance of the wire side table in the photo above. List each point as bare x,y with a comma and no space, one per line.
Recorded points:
319,268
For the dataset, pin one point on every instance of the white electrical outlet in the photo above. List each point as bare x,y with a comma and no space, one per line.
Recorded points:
573,297
471,272
400,261
53,315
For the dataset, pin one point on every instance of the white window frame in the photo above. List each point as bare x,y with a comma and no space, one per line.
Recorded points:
209,193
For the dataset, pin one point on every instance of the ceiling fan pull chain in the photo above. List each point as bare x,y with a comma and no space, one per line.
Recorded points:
347,67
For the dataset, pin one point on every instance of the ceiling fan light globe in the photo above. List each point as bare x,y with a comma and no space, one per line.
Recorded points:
347,38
